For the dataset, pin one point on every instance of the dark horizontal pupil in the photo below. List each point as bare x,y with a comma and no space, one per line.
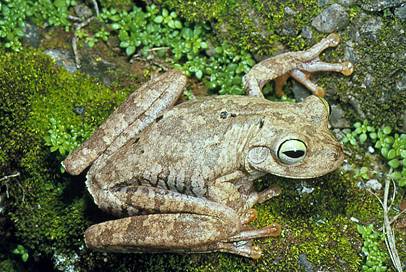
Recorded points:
294,153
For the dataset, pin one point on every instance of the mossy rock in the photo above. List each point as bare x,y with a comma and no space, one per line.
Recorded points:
50,210
261,27
46,208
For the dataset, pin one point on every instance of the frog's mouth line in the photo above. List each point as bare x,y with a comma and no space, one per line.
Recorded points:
305,170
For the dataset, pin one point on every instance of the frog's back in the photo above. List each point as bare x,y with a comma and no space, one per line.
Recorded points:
192,144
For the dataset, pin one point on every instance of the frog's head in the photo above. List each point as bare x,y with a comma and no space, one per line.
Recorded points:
295,142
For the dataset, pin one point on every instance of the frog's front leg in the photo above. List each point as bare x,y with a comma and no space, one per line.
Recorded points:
140,109
296,64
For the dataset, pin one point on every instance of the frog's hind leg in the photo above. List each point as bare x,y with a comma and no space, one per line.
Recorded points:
141,108
179,232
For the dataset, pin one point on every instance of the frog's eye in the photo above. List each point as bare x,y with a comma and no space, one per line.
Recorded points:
291,151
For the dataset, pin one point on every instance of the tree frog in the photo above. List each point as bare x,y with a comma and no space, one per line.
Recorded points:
180,178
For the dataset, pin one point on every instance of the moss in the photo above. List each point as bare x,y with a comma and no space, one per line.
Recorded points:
258,26
119,5
47,210
379,67
7,266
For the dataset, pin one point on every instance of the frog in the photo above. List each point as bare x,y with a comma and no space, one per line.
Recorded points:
180,178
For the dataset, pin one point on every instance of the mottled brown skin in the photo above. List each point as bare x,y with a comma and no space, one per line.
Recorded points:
182,177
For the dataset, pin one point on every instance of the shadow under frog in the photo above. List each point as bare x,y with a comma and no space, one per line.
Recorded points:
181,178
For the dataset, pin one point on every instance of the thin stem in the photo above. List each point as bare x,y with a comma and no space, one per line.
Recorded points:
390,240
9,176
96,7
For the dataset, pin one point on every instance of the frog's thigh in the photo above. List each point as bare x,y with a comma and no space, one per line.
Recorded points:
155,199
140,109
158,232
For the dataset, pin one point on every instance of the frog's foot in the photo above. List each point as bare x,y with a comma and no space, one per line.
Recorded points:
303,73
242,248
272,230
241,244
296,64
269,193
249,216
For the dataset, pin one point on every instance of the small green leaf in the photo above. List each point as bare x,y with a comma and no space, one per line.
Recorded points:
391,154
396,175
361,229
24,257
362,138
178,24
402,182
389,140
115,26
158,19
387,130
199,74
115,18
384,152
403,153
124,44
394,163
130,50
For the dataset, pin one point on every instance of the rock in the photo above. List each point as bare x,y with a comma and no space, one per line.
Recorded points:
349,52
356,106
299,91
379,5
79,110
346,3
32,35
371,27
368,81
400,12
304,262
333,18
304,188
400,83
63,59
307,33
289,11
373,184
83,11
288,26
337,117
